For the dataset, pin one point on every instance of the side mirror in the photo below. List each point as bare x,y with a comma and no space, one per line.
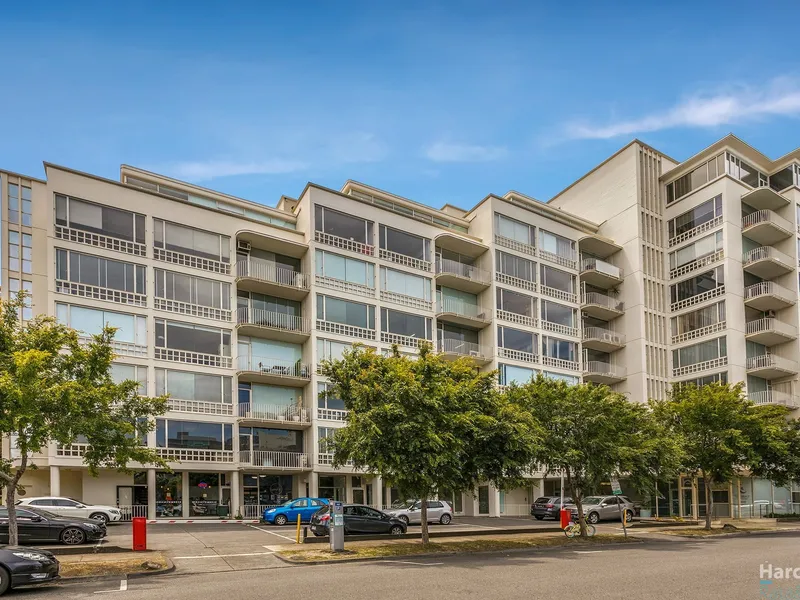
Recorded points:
36,519
603,505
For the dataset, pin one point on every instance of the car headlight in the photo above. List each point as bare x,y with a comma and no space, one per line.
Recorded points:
113,511
37,556
270,511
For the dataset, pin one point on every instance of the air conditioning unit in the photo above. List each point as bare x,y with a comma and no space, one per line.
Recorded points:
242,246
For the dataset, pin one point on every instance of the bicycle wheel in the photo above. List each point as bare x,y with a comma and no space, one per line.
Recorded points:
569,531
590,529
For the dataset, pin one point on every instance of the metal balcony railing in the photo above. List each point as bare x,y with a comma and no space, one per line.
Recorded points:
445,266
451,346
456,306
269,271
256,411
774,397
771,324
768,288
604,335
590,263
272,459
273,366
599,299
766,216
765,253
596,367
767,361
272,320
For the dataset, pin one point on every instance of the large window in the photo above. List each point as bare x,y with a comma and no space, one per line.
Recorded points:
552,312
515,302
341,225
746,173
14,287
192,289
344,312
262,306
326,400
131,329
784,178
193,435
509,374
556,244
516,339
186,385
124,372
699,353
699,284
407,324
698,319
703,213
344,268
259,395
570,379
404,243
19,201
256,349
701,175
99,218
325,435
447,333
406,284
88,269
331,350
261,439
557,279
188,240
192,338
20,251
514,230
516,266
706,379
557,348
705,246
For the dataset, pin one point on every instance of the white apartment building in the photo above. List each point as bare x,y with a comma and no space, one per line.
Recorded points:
672,272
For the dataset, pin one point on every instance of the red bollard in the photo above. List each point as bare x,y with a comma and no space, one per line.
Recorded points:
139,534
566,517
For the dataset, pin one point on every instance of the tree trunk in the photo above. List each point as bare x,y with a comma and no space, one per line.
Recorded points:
11,498
709,500
424,520
577,498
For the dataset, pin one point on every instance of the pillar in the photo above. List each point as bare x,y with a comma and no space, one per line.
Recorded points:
377,491
151,494
313,485
348,488
471,503
236,495
55,481
185,504
494,501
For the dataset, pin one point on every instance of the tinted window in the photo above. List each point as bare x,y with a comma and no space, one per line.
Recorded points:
370,512
300,504
350,510
542,500
317,503
42,503
65,503
434,504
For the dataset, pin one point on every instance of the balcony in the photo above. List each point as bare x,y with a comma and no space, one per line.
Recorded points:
194,310
604,340
765,198
199,407
119,347
341,285
460,276
271,371
699,367
361,333
193,358
273,325
769,366
267,277
766,262
452,349
601,306
774,397
194,455
552,292
457,312
698,333
332,414
410,341
698,298
344,243
515,281
695,231
766,227
768,295
512,317
598,245
770,331
599,273
99,240
190,260
286,416
602,372
697,263
560,363
96,292
325,459
404,259
522,247
520,355
569,261
274,460
407,301
559,328
71,450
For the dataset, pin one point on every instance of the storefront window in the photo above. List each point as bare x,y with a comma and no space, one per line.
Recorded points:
169,494
204,494
332,486
266,490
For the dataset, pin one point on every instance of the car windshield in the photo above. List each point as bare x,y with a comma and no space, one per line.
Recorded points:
42,513
403,503
593,500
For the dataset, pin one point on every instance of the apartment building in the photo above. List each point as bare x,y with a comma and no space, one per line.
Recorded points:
644,272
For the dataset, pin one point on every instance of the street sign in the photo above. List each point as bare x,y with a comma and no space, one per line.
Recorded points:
615,487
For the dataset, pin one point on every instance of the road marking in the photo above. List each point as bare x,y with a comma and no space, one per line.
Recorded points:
221,555
273,533
408,562
123,587
587,551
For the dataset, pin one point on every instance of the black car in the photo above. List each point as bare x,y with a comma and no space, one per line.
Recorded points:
20,566
358,519
38,525
548,506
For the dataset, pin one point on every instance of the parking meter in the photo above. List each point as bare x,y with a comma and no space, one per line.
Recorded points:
336,526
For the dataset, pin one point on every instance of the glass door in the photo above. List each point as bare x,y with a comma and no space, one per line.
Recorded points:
483,500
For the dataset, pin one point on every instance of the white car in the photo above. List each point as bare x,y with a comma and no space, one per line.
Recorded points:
72,508
439,511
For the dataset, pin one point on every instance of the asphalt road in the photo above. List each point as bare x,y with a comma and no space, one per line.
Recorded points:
725,569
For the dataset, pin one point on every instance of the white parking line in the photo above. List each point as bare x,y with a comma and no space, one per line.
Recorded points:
408,562
123,587
221,555
273,533
587,551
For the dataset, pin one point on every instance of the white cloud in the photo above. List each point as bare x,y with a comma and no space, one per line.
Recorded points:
781,97
447,152
211,169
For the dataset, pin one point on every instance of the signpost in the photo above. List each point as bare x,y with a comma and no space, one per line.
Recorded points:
336,526
616,489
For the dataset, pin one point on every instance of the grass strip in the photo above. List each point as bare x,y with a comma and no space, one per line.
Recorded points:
99,568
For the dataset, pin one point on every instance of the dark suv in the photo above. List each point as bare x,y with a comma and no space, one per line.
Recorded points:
358,519
548,506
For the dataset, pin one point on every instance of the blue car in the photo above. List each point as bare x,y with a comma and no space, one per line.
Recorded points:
288,511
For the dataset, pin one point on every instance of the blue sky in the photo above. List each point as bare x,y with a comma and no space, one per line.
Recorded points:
436,101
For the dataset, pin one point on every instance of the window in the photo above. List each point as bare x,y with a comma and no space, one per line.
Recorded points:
570,379
453,337
193,435
699,353
124,372
557,279
14,287
509,374
552,312
556,348
783,179
705,317
325,434
514,302
341,225
88,269
257,349
406,284
701,175
345,312
514,230
100,219
699,284
261,439
192,338
556,244
407,324
456,301
131,329
746,173
515,266
404,243
331,350
269,395
705,246
516,339
269,311
703,213
19,197
195,242
20,248
192,289
326,400
186,385
343,268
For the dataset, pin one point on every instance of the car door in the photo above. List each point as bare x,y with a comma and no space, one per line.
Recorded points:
374,520
353,520
48,504
3,525
70,508
298,508
32,526
611,509
415,513
435,510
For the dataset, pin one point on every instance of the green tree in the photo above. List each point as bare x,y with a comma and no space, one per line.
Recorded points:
723,433
427,424
54,388
591,433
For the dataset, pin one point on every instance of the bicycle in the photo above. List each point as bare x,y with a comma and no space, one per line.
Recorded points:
574,529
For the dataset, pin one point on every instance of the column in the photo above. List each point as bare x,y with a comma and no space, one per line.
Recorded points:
377,491
185,504
494,501
236,495
470,503
348,488
151,494
55,481
313,485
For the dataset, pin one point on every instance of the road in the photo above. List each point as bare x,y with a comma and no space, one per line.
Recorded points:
655,569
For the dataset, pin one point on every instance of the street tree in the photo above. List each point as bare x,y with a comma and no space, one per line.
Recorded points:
426,424
591,433
54,389
723,433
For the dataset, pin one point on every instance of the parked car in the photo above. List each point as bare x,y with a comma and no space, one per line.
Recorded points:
358,519
288,511
67,507
548,506
37,525
22,567
603,508
439,511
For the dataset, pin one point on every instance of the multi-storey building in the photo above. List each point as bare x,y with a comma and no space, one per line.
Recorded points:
643,273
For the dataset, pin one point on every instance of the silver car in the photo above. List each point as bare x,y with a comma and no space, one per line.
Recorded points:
604,508
439,511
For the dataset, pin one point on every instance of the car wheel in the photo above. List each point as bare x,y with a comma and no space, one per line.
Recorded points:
593,517
445,520
5,581
403,518
100,517
539,517
281,520
73,536
397,530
